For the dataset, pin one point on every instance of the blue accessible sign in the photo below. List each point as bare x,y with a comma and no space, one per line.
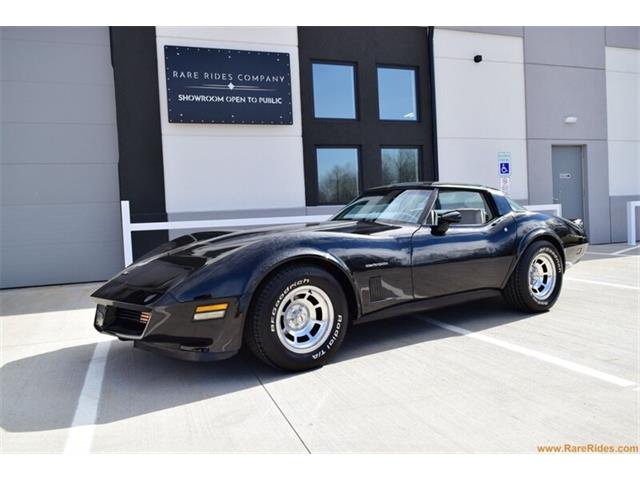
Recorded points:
504,164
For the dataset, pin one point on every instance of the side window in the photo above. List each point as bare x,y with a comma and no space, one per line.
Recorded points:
471,205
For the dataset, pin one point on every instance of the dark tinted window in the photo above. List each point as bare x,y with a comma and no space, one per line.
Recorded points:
337,174
334,93
397,94
399,165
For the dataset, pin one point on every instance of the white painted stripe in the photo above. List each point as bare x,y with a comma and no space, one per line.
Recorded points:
81,431
606,253
621,382
626,250
606,284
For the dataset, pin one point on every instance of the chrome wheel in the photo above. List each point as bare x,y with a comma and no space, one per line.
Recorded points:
304,319
542,276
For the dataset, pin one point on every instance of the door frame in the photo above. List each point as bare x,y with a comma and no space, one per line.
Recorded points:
585,173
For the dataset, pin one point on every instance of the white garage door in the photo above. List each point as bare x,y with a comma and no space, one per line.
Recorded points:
59,199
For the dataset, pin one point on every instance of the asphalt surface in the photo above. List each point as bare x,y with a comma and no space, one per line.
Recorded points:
473,378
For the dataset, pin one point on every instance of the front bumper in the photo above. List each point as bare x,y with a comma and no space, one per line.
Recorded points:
183,352
169,328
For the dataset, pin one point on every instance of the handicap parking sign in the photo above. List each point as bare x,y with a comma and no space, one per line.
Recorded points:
504,164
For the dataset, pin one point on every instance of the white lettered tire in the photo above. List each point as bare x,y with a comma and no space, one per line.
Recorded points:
298,319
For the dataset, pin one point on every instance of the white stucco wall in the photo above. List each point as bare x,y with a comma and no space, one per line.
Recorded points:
623,120
232,167
480,108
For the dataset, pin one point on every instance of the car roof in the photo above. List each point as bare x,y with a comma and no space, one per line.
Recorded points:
428,185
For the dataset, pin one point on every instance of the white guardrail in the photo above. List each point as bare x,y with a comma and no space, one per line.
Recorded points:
128,228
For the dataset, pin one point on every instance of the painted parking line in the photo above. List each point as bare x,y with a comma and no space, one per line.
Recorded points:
608,254
574,367
606,284
83,424
624,250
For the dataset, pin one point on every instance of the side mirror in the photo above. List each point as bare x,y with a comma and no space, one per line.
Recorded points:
444,220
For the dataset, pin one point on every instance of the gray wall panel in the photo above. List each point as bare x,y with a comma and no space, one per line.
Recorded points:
513,31
553,93
51,224
597,191
618,212
56,62
59,198
571,46
58,143
596,178
540,181
38,184
60,263
57,103
624,37
84,35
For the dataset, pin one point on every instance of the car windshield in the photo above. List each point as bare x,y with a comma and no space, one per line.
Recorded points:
393,205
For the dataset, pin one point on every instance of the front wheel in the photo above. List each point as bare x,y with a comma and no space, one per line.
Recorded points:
298,320
535,283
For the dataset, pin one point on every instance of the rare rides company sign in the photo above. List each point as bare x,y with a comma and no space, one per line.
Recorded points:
215,85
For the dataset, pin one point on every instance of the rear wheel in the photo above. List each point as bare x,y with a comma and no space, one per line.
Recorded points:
299,318
535,283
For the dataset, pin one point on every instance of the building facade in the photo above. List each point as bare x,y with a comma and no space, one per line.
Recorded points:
93,116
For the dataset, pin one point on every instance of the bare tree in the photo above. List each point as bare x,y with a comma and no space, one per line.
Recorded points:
339,185
399,168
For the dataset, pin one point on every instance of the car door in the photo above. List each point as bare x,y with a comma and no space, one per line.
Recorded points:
473,254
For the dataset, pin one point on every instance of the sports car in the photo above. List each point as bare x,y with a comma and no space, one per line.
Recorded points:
290,293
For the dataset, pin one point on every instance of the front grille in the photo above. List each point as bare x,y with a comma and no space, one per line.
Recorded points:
125,321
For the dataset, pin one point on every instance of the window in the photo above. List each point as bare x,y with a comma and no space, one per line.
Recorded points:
399,165
395,205
471,205
337,174
397,94
334,91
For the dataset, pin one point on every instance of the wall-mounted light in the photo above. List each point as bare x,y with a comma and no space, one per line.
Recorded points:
477,58
570,120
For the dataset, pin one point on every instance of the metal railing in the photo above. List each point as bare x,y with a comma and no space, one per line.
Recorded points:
128,227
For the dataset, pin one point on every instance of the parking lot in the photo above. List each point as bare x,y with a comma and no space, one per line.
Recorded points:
473,378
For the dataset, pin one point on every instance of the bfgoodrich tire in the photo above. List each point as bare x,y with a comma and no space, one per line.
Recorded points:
298,320
536,282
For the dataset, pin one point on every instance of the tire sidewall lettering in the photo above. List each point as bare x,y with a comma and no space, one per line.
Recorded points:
274,310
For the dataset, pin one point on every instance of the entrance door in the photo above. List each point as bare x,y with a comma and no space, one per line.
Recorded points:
567,180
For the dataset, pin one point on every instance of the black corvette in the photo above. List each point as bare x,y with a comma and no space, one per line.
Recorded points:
289,293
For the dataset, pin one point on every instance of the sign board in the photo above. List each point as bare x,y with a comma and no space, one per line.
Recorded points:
504,163
505,185
216,85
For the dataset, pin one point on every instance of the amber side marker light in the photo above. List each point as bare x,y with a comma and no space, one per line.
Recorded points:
145,316
209,312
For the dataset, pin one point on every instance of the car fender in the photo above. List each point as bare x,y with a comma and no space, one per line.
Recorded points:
297,255
531,236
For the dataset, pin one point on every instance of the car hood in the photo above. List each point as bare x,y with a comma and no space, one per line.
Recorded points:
144,281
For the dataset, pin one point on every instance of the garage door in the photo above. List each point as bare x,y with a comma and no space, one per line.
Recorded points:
59,199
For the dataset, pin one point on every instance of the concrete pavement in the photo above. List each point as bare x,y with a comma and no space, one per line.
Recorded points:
405,384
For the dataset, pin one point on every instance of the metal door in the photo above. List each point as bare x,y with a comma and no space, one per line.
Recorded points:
567,180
